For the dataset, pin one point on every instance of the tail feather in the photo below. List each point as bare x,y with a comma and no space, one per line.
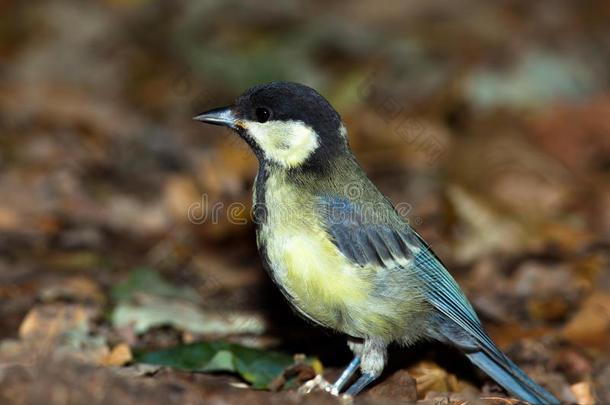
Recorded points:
509,376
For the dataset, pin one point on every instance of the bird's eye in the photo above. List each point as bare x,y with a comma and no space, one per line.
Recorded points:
262,114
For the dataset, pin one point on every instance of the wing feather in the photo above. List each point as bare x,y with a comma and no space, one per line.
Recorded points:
396,244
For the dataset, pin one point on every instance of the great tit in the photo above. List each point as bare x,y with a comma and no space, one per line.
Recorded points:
339,251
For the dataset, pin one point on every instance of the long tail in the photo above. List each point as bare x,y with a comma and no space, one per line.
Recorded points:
509,376
458,324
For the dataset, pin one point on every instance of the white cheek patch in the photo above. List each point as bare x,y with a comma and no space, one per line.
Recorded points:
288,143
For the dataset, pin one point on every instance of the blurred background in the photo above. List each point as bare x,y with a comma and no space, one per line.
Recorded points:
125,225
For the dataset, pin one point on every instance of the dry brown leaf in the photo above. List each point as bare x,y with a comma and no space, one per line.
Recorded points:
50,321
583,391
75,288
485,229
58,330
590,326
567,237
551,309
119,356
430,377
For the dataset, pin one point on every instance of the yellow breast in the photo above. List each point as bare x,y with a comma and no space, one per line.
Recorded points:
304,261
311,267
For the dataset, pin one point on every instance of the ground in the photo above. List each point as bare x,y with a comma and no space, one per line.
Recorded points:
125,226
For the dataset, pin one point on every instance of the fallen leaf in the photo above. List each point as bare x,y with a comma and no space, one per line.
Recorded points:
59,330
51,321
550,309
590,325
119,356
293,375
583,391
430,377
185,316
256,366
485,230
76,288
146,301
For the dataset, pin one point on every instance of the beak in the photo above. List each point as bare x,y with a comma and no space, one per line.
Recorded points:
220,116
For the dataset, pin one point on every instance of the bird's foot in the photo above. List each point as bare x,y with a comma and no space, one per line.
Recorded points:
318,382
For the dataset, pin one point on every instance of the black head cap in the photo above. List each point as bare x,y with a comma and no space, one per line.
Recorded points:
285,101
289,101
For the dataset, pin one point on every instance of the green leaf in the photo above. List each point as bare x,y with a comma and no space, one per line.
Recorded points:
256,366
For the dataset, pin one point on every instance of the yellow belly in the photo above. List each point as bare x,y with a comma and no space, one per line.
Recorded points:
324,286
319,279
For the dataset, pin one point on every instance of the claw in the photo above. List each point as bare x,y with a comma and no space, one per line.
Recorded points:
317,382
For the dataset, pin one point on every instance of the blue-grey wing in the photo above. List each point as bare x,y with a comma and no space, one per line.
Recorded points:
366,238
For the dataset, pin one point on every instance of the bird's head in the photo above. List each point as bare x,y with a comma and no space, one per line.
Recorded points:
286,124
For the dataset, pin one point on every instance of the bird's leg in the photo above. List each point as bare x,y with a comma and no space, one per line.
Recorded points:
364,380
345,375
374,355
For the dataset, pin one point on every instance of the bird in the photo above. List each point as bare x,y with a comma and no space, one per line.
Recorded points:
337,248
